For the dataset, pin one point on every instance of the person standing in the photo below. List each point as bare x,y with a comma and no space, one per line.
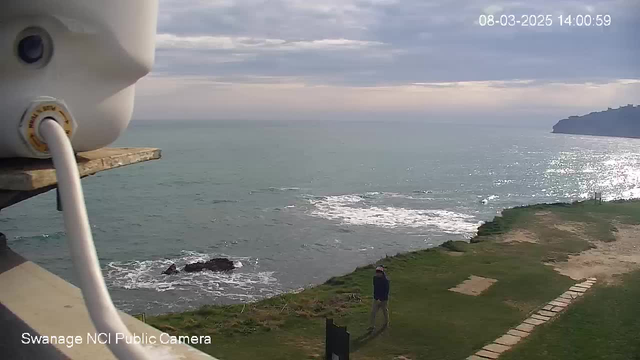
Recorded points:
380,297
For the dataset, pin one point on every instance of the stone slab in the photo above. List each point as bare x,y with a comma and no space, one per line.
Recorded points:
519,333
566,296
577,289
563,300
33,174
584,286
540,317
592,279
546,313
525,327
557,309
496,348
487,354
548,307
573,294
533,321
474,286
557,303
508,340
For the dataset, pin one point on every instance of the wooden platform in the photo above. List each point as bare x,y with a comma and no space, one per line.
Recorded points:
21,179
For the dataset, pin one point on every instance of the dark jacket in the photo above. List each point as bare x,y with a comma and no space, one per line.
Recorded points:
381,288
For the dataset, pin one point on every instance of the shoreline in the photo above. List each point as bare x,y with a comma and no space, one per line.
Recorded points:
528,252
468,238
597,135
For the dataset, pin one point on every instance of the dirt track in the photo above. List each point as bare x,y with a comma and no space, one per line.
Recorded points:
607,259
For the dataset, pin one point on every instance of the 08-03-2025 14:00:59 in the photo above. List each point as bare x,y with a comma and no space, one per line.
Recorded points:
507,20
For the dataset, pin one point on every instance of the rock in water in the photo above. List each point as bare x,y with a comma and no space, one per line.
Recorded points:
171,270
194,267
218,264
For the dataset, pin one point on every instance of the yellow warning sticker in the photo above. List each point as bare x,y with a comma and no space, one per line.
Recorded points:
46,110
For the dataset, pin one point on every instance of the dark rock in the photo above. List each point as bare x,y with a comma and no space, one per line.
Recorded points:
171,270
219,264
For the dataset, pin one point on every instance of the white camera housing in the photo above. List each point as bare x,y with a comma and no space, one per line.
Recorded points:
83,56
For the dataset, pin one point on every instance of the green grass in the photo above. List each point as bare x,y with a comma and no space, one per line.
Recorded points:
455,246
602,325
427,320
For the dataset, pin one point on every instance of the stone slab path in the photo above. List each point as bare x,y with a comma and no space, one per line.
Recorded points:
548,312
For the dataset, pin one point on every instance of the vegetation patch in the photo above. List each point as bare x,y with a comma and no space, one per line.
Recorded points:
455,246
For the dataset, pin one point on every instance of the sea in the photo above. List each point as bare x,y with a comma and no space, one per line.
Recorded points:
294,203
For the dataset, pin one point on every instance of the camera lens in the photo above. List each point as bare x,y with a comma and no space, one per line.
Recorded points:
31,49
34,47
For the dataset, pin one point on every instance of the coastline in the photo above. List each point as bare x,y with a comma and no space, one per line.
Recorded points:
618,122
598,135
524,250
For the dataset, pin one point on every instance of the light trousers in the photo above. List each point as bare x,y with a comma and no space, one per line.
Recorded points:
377,305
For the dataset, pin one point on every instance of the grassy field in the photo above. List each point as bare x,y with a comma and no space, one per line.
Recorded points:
430,322
603,325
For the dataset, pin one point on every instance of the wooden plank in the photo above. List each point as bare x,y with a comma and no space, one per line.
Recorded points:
34,174
21,179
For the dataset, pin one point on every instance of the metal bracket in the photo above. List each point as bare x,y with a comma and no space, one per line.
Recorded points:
3,242
58,202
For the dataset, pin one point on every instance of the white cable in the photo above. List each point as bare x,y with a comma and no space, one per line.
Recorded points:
104,315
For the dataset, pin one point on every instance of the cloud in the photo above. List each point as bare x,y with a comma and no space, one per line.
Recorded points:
398,41
170,41
358,46
493,9
262,99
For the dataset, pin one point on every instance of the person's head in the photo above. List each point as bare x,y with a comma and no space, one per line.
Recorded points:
379,270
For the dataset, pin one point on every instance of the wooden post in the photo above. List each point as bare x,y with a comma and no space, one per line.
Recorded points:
142,317
328,339
337,342
597,198
344,343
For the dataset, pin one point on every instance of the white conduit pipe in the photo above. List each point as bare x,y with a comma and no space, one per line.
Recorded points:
104,315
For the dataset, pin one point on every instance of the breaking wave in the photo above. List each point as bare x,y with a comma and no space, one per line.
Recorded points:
354,210
244,283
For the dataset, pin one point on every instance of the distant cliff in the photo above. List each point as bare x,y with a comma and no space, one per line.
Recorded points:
622,122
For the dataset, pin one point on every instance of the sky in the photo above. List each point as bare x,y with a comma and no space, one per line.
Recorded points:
417,60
